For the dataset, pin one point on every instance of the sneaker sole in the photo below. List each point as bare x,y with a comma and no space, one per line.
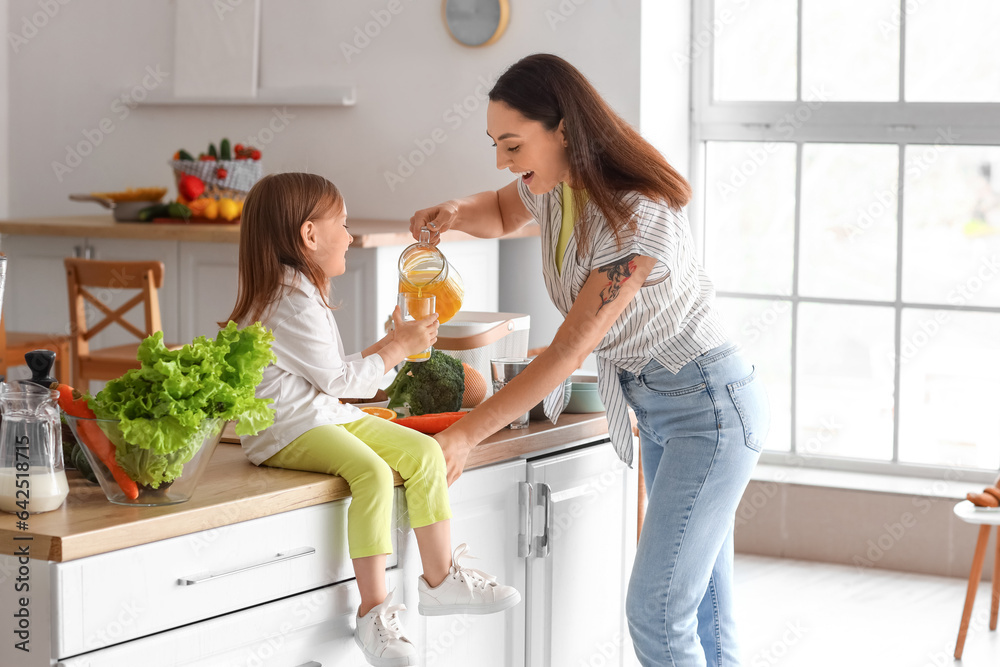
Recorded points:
402,661
445,610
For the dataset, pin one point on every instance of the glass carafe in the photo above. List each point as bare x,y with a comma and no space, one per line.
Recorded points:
32,476
423,269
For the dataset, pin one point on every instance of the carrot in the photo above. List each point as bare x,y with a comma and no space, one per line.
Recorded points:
431,423
73,404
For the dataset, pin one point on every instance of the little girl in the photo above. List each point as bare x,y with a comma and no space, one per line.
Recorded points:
293,240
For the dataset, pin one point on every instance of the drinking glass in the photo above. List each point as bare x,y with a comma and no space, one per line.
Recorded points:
503,371
416,307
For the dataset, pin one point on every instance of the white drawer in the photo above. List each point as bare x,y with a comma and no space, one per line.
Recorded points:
313,629
118,596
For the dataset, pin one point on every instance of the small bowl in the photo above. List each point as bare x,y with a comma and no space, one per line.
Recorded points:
379,400
585,398
177,490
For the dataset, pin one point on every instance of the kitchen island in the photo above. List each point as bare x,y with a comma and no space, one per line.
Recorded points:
254,569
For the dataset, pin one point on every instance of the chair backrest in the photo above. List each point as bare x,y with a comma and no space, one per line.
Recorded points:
82,274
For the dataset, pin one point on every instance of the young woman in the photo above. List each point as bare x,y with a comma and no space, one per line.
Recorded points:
620,264
293,239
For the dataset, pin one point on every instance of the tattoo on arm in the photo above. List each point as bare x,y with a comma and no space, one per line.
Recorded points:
618,272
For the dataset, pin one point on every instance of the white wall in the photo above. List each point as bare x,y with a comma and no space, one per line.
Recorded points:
66,79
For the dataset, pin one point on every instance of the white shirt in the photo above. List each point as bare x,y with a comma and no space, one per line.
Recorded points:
672,319
311,370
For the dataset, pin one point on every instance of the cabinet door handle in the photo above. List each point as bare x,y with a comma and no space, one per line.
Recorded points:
544,499
524,504
278,558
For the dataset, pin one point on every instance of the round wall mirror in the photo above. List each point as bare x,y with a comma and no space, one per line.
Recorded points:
476,22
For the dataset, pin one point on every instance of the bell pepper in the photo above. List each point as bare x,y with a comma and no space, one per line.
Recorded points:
190,187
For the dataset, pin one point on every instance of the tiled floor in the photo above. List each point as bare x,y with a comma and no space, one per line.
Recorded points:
802,614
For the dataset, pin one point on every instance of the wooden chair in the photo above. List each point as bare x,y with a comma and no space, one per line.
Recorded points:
85,275
15,344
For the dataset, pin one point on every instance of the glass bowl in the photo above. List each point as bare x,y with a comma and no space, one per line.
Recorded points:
175,475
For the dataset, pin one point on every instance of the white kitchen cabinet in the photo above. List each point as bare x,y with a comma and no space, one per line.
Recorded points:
562,529
489,516
581,561
241,591
209,279
312,629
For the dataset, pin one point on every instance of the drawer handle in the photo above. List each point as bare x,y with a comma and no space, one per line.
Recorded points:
278,558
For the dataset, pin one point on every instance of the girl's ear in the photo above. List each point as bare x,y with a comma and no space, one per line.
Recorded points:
308,233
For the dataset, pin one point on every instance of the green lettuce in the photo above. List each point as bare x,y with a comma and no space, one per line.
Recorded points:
168,405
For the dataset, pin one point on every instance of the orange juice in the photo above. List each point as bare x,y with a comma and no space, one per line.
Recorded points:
448,292
416,306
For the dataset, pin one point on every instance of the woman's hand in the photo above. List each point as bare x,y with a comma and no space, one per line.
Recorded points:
414,336
437,219
456,451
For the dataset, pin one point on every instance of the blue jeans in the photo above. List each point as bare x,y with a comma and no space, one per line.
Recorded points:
701,432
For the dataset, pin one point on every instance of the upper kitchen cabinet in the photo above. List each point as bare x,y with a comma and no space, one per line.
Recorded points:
229,36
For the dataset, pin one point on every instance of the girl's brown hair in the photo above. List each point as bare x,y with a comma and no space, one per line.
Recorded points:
607,157
273,214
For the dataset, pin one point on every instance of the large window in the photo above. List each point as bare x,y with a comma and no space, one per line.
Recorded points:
846,163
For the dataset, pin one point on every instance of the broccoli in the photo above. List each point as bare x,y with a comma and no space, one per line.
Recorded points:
426,387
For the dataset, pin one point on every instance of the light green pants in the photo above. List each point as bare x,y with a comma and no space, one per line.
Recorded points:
365,452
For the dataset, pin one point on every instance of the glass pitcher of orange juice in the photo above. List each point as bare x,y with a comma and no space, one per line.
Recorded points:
423,269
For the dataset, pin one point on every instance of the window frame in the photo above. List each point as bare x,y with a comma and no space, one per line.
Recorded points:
888,123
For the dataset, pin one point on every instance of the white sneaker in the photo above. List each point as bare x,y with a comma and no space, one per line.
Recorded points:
465,591
380,636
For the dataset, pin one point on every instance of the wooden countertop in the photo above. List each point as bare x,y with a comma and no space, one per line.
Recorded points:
368,233
234,490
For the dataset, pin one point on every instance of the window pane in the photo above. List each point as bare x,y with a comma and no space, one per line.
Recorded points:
951,225
848,221
844,390
850,50
764,329
754,49
948,404
750,214
951,51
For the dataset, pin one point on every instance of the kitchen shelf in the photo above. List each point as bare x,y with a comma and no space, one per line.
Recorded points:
329,96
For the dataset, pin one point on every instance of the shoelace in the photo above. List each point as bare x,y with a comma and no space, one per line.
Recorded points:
473,578
387,618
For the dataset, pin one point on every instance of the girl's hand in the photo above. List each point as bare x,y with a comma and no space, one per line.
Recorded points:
456,452
437,219
414,335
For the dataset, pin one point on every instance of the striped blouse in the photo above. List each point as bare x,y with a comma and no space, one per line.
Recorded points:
672,319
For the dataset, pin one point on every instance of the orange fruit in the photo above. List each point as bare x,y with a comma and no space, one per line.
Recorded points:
475,387
384,413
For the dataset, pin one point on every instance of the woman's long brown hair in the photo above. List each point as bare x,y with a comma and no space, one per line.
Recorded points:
607,157
270,239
